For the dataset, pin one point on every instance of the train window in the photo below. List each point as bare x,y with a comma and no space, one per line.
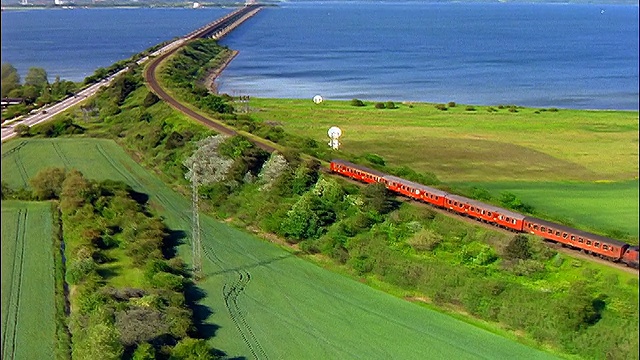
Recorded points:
605,247
565,235
535,227
513,221
437,198
557,233
489,213
550,231
596,244
542,228
573,238
589,242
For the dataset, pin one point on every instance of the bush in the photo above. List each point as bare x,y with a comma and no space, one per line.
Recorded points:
441,107
390,105
22,130
470,108
379,105
451,104
518,248
375,159
357,102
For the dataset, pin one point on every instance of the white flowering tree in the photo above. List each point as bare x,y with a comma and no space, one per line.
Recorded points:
272,169
207,163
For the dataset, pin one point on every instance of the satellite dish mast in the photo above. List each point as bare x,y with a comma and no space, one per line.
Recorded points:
317,99
334,134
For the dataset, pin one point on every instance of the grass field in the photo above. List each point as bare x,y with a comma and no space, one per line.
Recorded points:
264,302
28,311
580,203
461,145
571,164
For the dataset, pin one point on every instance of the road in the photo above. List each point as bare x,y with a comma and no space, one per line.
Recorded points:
49,112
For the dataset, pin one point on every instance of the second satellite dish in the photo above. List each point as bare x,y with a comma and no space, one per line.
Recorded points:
317,99
334,134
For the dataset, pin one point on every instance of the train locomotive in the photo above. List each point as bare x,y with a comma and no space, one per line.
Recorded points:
597,245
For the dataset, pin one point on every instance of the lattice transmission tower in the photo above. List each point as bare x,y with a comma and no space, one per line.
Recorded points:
196,243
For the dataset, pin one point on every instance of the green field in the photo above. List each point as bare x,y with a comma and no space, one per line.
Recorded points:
264,301
28,311
460,145
580,203
537,154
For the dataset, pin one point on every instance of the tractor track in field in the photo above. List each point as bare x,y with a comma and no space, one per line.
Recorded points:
15,290
125,174
16,148
21,169
230,292
61,155
233,286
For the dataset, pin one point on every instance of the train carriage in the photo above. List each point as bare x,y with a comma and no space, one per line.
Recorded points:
414,190
481,211
590,243
630,257
357,172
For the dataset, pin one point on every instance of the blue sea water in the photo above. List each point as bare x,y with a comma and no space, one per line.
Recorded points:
542,55
74,43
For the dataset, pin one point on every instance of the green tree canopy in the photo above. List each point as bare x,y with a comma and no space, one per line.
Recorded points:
36,77
10,79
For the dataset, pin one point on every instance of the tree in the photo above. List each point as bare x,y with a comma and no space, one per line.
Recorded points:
100,342
75,191
379,198
22,130
191,349
518,248
37,77
47,184
144,351
150,99
10,79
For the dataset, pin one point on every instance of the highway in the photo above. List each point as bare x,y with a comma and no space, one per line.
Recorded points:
50,111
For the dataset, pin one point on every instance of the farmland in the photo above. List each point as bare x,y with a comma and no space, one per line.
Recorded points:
260,300
28,327
536,154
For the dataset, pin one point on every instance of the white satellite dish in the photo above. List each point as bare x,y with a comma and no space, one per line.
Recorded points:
317,99
334,134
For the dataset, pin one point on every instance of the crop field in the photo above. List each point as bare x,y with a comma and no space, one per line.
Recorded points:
28,310
264,302
550,159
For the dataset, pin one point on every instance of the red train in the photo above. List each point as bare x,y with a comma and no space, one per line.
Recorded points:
606,248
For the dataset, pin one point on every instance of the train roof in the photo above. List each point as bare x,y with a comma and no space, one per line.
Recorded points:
503,211
416,185
573,231
359,167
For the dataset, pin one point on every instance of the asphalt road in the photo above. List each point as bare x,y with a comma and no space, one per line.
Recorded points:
47,113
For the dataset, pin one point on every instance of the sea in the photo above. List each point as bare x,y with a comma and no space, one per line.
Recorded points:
580,56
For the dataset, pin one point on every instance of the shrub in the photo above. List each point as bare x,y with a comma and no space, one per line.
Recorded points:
22,130
470,108
513,110
375,159
518,248
357,102
379,105
451,104
390,105
441,107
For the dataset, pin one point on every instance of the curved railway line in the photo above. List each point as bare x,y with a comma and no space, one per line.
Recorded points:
221,27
